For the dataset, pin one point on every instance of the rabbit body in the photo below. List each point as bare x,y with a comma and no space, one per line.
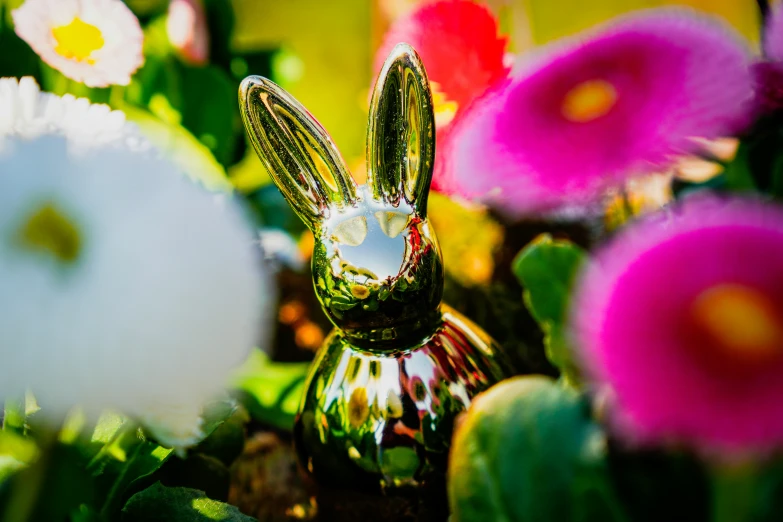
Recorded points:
374,421
384,391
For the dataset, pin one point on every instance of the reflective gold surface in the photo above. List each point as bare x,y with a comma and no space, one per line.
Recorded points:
373,420
389,381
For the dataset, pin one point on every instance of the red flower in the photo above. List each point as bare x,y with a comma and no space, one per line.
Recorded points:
462,52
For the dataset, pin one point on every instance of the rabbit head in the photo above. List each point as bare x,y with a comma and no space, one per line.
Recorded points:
377,266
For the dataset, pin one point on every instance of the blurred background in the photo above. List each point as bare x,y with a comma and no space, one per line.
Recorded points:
184,99
322,51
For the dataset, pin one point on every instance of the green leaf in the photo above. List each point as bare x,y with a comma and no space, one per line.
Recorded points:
735,488
126,462
401,462
210,110
16,452
227,441
182,148
738,173
205,98
17,58
547,269
271,390
758,163
107,427
220,25
528,451
197,471
18,446
156,39
272,210
85,513
51,488
216,413
8,466
14,416
161,504
127,478
147,7
769,495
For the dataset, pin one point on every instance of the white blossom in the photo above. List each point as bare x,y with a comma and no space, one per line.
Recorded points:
96,42
123,285
27,112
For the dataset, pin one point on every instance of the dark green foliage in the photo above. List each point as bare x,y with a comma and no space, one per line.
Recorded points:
529,451
547,269
161,504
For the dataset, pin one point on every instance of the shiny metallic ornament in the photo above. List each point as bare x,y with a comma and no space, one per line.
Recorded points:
385,389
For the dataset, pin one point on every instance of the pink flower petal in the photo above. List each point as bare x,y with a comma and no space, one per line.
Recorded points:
632,321
186,26
773,34
675,75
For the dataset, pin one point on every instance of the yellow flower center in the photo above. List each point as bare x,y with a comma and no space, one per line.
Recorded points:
358,407
77,40
49,231
444,109
588,101
743,320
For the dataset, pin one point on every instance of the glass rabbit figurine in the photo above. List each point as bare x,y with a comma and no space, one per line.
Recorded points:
385,388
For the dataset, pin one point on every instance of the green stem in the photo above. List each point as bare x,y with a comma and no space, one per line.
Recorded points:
733,489
13,415
62,85
117,96
25,490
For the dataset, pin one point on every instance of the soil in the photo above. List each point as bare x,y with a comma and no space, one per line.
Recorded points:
267,483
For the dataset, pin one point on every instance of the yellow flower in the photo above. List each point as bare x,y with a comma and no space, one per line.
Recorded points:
358,407
96,42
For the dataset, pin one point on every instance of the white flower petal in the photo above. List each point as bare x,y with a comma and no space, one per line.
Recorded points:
27,112
112,64
164,298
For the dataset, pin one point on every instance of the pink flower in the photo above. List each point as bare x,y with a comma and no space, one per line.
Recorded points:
773,34
462,52
590,113
682,316
186,26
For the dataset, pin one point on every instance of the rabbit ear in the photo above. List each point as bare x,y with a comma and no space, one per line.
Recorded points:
298,153
401,135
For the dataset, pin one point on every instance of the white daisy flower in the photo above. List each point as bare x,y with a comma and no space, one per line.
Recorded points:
27,112
96,42
123,285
